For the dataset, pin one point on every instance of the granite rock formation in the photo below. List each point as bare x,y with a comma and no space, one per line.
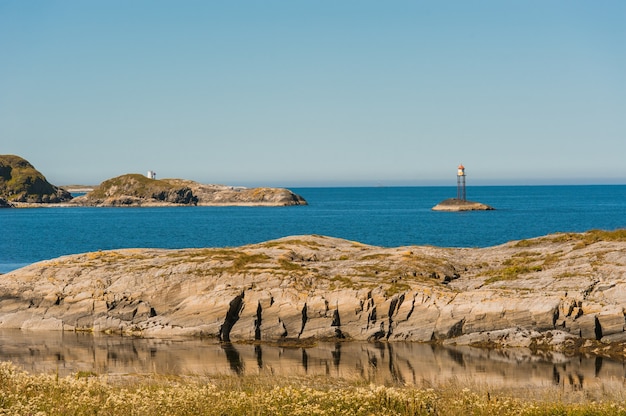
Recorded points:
20,182
212,195
139,190
562,291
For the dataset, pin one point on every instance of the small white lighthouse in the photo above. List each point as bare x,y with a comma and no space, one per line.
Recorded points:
151,174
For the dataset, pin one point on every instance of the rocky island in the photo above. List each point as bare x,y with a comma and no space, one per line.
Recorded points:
138,190
454,204
561,291
21,185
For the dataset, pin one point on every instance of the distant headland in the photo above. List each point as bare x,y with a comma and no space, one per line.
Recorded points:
21,185
460,203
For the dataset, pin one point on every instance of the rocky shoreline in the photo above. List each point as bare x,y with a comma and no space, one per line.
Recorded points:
559,292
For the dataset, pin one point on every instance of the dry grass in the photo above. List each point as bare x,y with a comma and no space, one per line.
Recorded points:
582,239
89,394
314,245
590,237
511,272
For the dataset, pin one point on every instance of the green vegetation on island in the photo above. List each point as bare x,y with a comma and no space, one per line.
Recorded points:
139,190
21,182
131,189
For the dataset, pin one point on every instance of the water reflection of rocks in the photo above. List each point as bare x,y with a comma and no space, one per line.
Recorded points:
404,363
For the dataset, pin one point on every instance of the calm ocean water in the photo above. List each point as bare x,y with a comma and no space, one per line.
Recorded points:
386,216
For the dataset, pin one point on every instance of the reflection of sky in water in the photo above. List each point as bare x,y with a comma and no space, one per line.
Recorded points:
383,363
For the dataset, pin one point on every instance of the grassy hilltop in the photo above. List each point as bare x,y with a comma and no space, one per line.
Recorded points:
21,182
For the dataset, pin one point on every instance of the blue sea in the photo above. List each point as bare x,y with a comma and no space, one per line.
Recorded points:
383,216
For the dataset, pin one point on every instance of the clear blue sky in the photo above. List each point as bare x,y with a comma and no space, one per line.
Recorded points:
319,92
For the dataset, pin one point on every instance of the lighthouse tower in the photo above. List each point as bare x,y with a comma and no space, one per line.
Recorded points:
460,184
460,203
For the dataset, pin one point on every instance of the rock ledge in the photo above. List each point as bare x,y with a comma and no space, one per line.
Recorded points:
563,291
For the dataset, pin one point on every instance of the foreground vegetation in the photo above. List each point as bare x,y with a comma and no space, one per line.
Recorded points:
88,394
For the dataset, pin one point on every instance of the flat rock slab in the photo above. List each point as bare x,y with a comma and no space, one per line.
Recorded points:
454,204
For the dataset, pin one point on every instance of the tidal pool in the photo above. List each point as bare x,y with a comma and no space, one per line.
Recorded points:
398,363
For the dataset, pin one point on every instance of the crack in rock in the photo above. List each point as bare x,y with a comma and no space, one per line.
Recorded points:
304,319
232,316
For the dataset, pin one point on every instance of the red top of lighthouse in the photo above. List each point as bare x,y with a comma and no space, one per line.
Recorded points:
461,167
